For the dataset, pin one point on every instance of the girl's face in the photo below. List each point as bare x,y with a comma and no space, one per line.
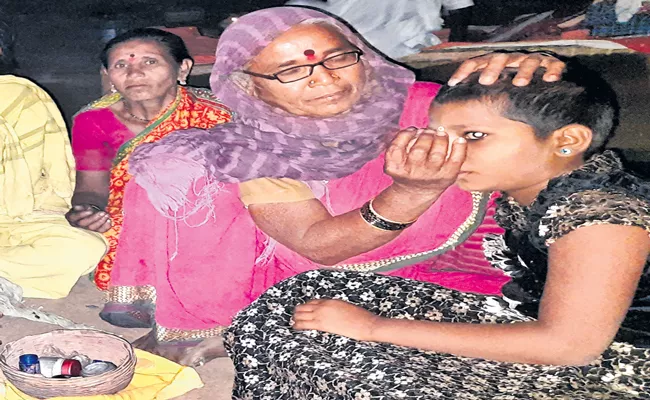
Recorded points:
502,154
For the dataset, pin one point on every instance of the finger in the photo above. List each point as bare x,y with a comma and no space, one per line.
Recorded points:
419,153
93,218
456,158
554,69
494,68
438,153
97,225
396,153
466,69
76,216
303,316
527,70
305,325
107,225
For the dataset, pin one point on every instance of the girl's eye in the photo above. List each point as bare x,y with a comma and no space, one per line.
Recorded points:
150,62
475,135
119,65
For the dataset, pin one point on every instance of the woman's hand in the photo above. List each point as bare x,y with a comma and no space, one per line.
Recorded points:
494,63
89,217
422,161
336,316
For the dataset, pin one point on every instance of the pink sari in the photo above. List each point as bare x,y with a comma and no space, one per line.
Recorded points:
201,271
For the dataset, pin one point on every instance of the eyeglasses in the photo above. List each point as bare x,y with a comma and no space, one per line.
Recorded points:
294,74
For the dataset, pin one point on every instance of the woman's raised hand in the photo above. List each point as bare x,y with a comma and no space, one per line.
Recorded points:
89,217
494,63
422,160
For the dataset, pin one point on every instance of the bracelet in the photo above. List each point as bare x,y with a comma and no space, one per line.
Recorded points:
95,207
377,221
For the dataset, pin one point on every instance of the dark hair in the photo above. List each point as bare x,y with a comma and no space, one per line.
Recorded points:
580,97
172,43
7,39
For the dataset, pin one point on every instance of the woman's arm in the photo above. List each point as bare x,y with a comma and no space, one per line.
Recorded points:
89,201
592,277
420,172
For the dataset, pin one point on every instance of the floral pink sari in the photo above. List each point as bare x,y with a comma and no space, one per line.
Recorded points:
201,271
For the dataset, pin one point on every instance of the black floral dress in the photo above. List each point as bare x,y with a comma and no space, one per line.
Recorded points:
275,362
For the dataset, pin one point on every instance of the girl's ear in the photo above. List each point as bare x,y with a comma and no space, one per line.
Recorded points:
571,140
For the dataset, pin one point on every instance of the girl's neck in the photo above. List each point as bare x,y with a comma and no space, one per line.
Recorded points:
527,195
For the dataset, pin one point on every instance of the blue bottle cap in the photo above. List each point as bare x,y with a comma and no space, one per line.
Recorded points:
28,359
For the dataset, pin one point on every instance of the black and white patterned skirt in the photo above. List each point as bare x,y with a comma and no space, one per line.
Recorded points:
275,362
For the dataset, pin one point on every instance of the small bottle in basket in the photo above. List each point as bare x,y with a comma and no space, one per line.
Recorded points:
29,363
59,367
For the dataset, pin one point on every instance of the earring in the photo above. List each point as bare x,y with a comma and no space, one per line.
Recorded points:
312,82
565,151
113,90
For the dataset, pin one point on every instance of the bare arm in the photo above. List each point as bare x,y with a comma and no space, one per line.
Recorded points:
420,174
91,190
592,277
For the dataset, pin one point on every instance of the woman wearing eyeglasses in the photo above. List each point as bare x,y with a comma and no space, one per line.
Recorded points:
295,182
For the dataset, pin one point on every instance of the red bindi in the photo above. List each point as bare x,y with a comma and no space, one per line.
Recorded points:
310,54
131,55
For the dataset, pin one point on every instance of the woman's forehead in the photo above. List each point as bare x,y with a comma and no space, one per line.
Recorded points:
303,43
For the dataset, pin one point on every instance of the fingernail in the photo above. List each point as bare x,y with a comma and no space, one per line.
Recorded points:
519,82
452,82
441,132
551,78
486,79
461,140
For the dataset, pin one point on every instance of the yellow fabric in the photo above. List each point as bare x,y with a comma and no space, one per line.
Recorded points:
272,190
155,378
39,250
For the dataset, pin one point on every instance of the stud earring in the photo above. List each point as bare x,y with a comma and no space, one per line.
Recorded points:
312,82
113,90
565,151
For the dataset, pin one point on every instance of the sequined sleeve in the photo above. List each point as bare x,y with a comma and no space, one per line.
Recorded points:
592,207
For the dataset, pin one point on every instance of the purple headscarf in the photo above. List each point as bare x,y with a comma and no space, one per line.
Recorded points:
263,140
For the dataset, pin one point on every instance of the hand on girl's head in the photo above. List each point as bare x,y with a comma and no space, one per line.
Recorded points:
425,159
494,63
335,316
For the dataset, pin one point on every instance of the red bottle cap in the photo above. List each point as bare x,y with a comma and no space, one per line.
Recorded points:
71,368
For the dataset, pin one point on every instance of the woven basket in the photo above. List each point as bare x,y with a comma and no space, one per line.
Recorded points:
94,344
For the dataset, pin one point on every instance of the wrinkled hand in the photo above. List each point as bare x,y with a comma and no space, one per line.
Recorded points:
420,160
87,217
493,64
336,316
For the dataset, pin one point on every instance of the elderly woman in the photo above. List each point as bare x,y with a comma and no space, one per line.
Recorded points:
295,183
147,69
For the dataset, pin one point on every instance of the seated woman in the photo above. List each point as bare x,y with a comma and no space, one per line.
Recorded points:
576,245
314,104
39,250
147,69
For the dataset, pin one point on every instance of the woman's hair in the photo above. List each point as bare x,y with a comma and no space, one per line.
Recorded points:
580,97
7,40
172,43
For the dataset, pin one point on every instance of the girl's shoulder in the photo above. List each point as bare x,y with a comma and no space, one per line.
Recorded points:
601,192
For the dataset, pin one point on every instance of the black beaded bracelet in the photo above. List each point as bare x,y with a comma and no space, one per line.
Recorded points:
377,221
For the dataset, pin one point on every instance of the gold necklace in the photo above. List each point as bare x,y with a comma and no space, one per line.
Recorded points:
128,111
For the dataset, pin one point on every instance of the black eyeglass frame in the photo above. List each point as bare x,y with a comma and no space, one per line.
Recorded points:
359,53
